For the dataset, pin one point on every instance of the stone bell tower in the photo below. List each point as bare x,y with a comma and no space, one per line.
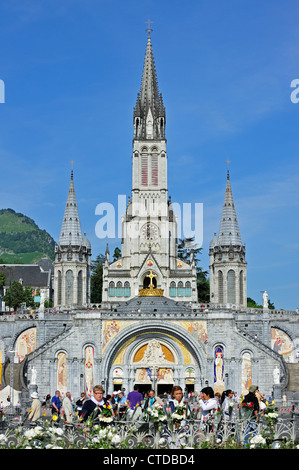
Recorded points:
228,266
72,259
149,226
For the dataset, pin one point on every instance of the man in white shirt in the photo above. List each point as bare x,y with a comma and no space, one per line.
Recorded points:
207,402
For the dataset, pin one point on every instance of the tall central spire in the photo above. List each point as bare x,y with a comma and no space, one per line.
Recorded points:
149,112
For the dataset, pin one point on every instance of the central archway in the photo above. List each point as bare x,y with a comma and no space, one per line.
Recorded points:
121,352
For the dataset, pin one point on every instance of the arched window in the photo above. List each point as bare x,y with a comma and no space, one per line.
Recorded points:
220,287
80,288
241,288
88,370
172,289
119,289
62,372
59,290
188,289
154,163
246,372
231,287
111,290
127,289
219,369
69,284
181,290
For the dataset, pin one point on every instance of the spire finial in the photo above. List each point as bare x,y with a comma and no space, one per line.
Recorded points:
72,163
228,162
149,30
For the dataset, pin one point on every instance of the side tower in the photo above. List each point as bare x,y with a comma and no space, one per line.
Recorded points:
228,267
72,259
149,226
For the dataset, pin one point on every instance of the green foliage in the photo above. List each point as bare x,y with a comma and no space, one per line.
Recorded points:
116,254
20,235
185,247
96,279
252,303
17,294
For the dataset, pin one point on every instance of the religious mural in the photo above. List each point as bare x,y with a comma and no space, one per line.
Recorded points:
110,329
190,376
165,375
89,370
61,372
1,359
143,376
281,343
246,373
218,370
118,376
26,343
198,329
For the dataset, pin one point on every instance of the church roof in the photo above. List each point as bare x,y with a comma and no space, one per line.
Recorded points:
152,304
229,232
71,229
31,275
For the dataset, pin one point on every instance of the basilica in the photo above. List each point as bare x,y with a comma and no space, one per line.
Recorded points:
150,328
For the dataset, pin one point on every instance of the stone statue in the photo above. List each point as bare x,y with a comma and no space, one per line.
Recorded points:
276,375
33,376
265,299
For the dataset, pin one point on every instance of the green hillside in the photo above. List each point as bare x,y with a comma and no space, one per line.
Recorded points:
21,240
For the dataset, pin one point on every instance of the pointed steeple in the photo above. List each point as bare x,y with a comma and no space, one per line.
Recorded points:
149,112
229,232
71,234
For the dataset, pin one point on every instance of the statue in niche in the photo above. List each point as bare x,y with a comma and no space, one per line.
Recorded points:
276,375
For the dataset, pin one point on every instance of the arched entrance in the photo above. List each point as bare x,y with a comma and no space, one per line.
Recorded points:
154,364
130,349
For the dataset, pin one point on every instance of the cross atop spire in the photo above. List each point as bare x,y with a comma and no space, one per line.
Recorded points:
149,30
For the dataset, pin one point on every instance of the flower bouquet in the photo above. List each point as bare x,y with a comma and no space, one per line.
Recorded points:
106,414
246,410
156,414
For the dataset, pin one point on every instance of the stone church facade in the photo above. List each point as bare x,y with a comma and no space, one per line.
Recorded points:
150,330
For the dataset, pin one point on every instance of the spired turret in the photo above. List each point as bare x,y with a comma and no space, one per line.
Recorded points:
149,112
72,263
228,266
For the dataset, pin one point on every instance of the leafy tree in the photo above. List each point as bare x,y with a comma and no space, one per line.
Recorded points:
116,254
185,246
96,279
2,280
28,299
252,303
14,296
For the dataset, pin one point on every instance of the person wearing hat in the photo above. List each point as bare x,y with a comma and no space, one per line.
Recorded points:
36,407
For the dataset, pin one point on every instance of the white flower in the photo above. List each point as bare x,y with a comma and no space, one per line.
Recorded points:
3,438
116,439
256,440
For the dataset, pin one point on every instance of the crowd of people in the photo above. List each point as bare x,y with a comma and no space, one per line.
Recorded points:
63,406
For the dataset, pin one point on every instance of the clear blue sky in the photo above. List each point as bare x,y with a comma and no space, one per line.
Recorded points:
72,70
